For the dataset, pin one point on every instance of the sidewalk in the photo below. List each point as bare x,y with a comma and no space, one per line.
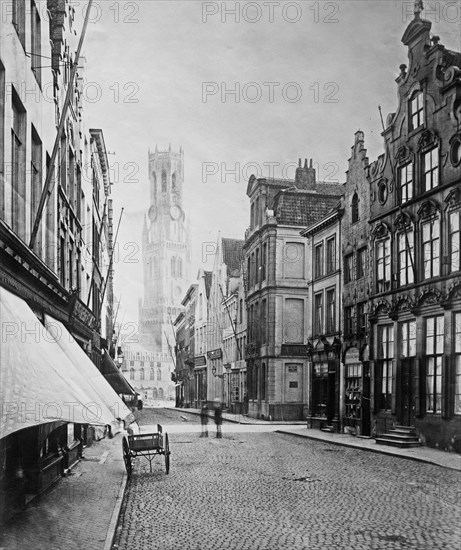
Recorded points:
299,429
80,511
243,419
420,454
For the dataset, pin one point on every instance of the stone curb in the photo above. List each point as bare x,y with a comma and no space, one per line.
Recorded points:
379,450
115,514
260,423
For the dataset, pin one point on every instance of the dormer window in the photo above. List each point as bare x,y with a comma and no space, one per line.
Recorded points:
406,182
431,169
416,110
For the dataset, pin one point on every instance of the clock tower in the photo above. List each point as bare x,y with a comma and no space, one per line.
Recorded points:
165,251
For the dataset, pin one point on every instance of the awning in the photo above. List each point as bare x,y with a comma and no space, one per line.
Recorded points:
115,378
38,383
101,388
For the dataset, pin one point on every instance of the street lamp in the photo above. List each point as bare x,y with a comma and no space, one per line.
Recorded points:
213,372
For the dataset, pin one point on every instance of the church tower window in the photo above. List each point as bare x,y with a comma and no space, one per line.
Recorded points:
163,181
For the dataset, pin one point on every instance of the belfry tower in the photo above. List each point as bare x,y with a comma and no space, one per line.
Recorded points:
165,251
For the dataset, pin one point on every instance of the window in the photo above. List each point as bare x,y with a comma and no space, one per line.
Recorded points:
383,265
318,260
18,162
405,257
457,331
406,182
331,311
240,311
361,262
454,240
434,354
163,181
431,249
179,272
131,363
141,374
249,272
263,261
263,321
416,110
355,208
293,259
36,43
431,169
159,374
408,339
257,271
173,181
173,266
353,389
385,365
361,319
36,181
349,320
348,262
19,20
131,374
318,313
331,255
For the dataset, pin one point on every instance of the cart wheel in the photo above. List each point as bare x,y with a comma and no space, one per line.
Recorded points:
167,455
127,457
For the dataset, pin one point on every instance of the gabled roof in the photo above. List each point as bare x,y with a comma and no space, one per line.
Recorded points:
303,208
232,253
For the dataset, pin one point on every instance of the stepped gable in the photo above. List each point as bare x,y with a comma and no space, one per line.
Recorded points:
232,254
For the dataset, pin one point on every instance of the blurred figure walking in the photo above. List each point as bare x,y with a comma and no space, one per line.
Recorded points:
218,418
204,419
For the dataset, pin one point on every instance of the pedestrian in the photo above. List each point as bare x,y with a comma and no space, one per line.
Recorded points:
204,419
218,418
139,405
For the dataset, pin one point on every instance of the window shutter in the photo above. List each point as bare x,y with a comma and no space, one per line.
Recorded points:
394,386
376,377
420,388
448,386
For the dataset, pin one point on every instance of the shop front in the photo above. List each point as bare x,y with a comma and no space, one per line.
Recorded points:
356,418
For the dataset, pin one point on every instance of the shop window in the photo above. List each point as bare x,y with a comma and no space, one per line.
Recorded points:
431,169
361,262
431,248
457,347
406,182
353,390
434,354
406,258
320,390
385,365
416,110
455,241
383,265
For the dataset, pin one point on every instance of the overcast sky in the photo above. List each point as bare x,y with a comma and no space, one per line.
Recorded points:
158,72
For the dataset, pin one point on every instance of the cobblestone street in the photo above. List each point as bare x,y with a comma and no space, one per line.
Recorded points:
263,490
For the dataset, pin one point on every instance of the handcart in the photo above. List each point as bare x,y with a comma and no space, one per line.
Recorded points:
146,445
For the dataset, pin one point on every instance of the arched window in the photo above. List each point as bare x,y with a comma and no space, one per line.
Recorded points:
173,266
154,180
154,391
173,181
131,374
152,374
160,393
179,267
141,374
355,208
159,374
163,181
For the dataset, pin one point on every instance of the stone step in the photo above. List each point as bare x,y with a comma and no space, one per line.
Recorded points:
402,432
396,442
405,428
328,429
399,437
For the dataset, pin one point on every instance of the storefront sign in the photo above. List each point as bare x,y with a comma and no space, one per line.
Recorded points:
200,361
352,356
215,354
